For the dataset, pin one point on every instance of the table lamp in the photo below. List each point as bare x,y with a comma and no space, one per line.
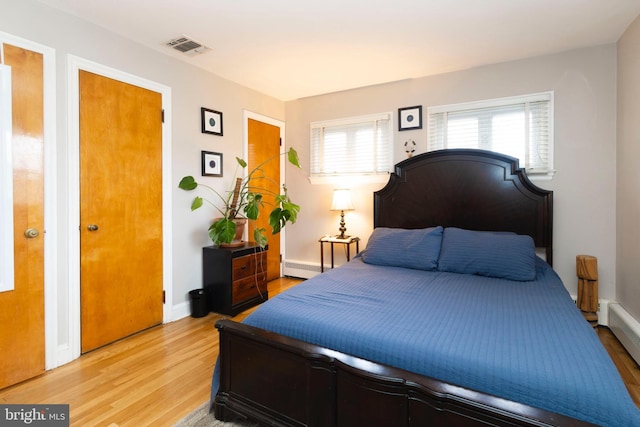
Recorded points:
342,202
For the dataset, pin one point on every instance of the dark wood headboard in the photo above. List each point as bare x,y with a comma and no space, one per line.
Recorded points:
471,189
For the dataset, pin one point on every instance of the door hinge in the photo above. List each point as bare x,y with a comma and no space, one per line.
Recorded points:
162,115
280,142
164,297
280,257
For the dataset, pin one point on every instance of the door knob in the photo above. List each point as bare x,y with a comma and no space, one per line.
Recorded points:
30,233
92,227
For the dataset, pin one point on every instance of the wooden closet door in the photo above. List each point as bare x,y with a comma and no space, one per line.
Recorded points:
22,348
121,290
264,143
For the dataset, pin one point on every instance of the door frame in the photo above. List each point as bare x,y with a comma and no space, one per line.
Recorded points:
75,64
246,115
50,194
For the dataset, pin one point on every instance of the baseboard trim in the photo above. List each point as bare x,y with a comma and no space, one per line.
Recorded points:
64,356
180,311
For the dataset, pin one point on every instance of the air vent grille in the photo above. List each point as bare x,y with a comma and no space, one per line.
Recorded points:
187,46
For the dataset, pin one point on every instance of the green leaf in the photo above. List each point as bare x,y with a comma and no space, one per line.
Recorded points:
292,210
222,231
278,219
251,210
253,205
241,162
188,183
292,155
274,220
288,206
197,202
259,237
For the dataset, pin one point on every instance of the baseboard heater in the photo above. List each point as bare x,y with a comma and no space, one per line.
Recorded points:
626,329
301,269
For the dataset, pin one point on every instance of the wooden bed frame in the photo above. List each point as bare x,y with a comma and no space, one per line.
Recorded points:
277,380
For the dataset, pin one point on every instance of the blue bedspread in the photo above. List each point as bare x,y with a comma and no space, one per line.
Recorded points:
524,341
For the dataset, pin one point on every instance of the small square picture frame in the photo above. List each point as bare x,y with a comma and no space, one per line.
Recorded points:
410,118
211,121
211,164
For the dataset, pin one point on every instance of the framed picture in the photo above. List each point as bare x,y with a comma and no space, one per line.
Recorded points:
410,118
211,121
211,164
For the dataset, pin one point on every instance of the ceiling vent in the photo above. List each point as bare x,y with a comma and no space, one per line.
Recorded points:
187,46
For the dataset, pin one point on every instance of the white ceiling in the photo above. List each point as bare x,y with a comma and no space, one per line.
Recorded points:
291,49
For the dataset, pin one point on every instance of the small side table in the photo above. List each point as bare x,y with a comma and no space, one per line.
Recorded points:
332,240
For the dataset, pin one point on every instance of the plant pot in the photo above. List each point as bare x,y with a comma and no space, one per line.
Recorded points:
237,240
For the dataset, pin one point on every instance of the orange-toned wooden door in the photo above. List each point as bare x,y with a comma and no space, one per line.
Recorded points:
22,353
120,209
264,143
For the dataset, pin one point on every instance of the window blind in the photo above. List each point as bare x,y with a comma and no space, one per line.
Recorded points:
355,146
520,127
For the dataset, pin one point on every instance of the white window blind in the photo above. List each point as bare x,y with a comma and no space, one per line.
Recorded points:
352,147
520,127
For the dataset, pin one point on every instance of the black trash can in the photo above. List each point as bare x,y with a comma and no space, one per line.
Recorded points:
198,303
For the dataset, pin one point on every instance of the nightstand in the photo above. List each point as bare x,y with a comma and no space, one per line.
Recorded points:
332,240
234,278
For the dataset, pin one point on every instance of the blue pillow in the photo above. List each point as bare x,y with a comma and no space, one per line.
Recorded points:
485,253
399,247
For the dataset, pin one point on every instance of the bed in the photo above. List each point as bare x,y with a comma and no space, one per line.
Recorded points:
451,316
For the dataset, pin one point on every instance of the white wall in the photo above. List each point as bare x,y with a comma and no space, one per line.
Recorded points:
628,196
584,186
584,82
192,88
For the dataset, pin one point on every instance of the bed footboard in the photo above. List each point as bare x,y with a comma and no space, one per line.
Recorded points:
276,380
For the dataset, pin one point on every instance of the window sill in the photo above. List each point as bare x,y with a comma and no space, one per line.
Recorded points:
350,179
548,176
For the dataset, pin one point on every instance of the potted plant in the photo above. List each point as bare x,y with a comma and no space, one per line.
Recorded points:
245,201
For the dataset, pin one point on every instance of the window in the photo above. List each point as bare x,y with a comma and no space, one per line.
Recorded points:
520,127
355,147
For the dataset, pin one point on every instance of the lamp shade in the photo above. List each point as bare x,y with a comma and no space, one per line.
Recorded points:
341,200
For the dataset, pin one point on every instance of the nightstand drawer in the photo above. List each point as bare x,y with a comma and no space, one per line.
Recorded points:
247,288
249,265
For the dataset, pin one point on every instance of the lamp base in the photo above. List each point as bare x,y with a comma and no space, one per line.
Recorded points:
342,228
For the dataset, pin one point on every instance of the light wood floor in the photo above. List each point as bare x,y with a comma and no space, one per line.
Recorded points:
158,376
153,378
628,368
